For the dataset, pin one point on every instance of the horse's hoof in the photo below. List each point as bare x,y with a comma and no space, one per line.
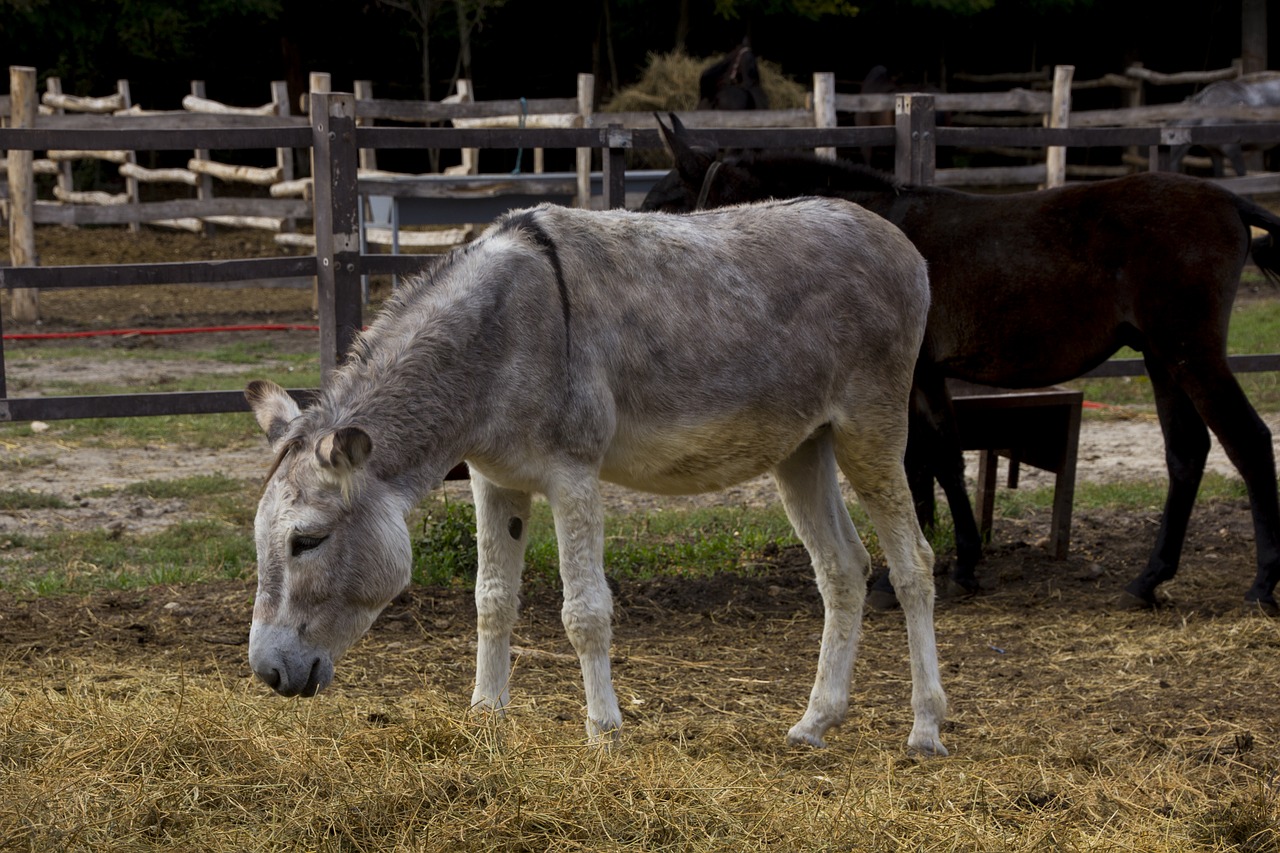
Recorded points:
958,588
880,599
1129,601
1265,606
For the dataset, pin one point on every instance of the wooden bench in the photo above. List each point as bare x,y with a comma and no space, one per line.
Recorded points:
1039,427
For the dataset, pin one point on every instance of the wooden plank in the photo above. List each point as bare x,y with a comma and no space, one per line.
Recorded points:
180,272
722,119
167,139
47,213
1013,101
166,120
1239,364
793,137
430,111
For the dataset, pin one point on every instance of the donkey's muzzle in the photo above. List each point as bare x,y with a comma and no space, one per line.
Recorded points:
290,669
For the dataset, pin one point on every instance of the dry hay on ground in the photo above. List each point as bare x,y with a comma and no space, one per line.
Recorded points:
130,720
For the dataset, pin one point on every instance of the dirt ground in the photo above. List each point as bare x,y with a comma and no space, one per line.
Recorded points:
681,644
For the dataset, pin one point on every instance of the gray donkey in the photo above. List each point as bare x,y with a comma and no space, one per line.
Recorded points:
674,354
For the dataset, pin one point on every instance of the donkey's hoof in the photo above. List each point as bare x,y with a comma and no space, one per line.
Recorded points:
927,747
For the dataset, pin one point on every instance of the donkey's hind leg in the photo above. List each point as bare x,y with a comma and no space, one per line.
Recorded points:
870,451
811,495
501,518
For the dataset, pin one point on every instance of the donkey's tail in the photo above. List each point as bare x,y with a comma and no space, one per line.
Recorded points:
1264,249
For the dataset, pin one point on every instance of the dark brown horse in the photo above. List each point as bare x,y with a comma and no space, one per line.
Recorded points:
1036,288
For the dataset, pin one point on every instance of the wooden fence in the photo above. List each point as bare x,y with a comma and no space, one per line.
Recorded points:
335,139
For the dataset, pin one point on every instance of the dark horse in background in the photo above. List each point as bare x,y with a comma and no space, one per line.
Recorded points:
1035,288
733,83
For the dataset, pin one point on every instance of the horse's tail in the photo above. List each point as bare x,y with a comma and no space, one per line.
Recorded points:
1264,249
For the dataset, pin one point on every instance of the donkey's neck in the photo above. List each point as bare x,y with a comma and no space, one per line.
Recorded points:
412,381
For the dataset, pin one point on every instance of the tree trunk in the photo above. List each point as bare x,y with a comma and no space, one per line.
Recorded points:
1253,35
682,28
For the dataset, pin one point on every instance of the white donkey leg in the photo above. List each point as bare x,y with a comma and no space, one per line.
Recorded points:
870,454
588,605
811,495
501,518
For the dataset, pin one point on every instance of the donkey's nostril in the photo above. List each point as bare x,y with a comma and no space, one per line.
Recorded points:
272,679
313,679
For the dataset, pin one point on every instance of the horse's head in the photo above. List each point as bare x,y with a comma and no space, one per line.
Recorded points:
698,181
333,547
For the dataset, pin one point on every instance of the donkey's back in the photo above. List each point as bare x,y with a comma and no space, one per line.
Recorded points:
699,350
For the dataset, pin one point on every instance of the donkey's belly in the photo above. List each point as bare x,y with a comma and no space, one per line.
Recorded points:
701,458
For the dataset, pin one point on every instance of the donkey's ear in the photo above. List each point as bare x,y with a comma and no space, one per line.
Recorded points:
344,450
272,406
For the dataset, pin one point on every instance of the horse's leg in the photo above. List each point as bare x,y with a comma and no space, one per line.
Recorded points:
869,451
501,518
947,461
1223,406
588,604
811,495
1186,447
920,469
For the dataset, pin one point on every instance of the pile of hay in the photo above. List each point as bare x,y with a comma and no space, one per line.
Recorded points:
670,82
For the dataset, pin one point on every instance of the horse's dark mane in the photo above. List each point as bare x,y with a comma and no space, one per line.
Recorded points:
807,173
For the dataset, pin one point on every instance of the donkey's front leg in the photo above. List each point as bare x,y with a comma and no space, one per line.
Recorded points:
588,604
501,518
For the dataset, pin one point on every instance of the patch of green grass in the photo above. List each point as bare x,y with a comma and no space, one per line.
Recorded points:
202,431
15,500
1134,494
76,562
186,488
639,545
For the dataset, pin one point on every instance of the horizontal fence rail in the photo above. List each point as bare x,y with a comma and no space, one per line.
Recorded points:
331,133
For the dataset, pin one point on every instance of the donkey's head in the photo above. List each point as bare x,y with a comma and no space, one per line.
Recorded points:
333,548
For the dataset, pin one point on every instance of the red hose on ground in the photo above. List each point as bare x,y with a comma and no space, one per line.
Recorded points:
102,333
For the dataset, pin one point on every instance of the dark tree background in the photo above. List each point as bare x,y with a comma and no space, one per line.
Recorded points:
534,48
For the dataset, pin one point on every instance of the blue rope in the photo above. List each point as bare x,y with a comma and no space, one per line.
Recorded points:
524,112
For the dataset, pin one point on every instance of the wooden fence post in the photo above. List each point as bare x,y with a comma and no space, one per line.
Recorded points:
586,103
335,161
22,192
204,183
615,166
368,156
915,148
317,82
1055,159
284,156
53,86
131,156
824,106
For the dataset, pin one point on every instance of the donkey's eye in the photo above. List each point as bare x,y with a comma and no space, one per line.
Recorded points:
302,544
